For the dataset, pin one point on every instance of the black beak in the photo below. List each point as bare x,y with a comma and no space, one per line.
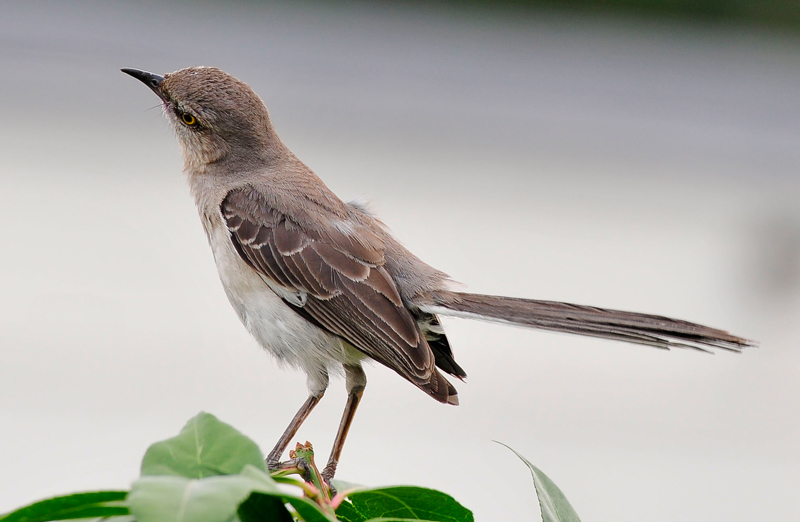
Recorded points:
151,80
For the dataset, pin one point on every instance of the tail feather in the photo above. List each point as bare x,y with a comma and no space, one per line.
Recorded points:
439,388
632,327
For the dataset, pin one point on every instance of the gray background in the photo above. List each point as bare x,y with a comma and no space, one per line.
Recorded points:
625,163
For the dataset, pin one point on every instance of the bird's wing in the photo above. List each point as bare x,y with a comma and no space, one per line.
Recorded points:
335,279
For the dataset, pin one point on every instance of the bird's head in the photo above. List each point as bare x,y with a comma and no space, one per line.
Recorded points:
216,116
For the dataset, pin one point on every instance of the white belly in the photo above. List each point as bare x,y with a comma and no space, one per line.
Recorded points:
278,329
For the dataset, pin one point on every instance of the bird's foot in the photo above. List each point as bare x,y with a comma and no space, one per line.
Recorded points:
328,472
302,463
293,466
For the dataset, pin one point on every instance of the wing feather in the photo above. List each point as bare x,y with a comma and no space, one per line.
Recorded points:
340,271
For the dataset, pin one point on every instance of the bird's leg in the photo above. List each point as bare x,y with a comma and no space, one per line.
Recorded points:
274,458
356,381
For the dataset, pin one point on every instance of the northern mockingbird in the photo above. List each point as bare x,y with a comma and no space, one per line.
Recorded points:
321,284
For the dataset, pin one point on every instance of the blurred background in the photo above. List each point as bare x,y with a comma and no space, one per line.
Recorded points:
637,155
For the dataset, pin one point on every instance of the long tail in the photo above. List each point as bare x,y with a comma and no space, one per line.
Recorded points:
651,330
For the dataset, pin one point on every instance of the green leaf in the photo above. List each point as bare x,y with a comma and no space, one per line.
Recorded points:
394,519
263,508
71,507
554,505
205,447
308,511
121,518
402,503
226,498
178,499
255,508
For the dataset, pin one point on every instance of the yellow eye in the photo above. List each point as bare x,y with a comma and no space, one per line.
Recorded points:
188,119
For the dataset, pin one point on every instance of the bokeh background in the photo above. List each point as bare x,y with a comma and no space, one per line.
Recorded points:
620,157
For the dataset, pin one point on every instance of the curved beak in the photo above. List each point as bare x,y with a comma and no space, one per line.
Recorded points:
151,80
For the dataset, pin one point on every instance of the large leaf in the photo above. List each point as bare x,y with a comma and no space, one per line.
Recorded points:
205,447
257,506
554,505
71,507
251,496
178,499
402,503
254,508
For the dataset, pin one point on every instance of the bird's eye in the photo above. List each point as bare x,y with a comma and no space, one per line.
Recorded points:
188,119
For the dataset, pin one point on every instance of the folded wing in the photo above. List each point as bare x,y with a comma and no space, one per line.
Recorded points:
338,281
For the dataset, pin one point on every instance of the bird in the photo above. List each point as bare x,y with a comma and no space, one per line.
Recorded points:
322,284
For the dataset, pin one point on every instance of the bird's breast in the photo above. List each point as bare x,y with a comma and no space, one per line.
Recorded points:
278,328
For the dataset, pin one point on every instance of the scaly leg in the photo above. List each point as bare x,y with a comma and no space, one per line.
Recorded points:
274,458
356,380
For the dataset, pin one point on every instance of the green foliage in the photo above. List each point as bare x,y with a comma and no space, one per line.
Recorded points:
402,503
71,507
257,506
210,472
251,496
178,499
554,505
205,447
